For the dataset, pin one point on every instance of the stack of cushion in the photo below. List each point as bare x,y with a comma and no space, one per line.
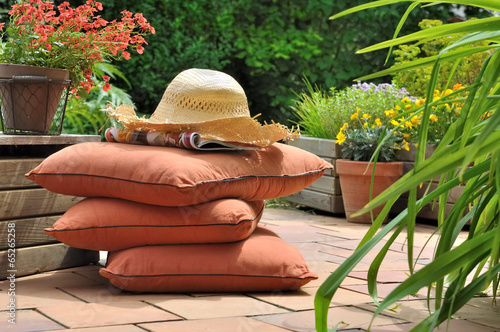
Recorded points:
177,220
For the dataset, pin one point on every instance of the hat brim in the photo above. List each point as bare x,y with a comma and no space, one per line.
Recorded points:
244,130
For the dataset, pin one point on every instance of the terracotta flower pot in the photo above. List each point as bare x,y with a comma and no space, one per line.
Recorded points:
30,97
355,181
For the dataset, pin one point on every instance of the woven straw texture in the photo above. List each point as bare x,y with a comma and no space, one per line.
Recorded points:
208,102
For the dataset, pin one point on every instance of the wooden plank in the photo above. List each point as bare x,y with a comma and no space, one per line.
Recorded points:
44,258
330,172
33,202
12,172
29,232
64,139
319,146
317,200
327,185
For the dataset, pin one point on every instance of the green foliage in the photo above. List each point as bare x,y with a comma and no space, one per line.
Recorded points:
267,46
416,80
469,156
323,113
85,115
361,144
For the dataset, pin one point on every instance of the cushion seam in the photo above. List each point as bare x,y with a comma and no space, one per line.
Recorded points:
177,186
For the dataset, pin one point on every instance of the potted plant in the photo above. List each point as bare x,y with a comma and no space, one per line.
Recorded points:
46,49
368,165
321,114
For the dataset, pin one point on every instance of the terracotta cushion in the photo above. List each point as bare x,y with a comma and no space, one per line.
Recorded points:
112,224
177,177
262,262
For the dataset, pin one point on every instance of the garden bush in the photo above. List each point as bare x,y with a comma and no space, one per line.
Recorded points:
268,46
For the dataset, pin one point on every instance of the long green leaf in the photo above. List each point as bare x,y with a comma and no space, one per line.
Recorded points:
487,24
487,4
428,61
440,267
431,168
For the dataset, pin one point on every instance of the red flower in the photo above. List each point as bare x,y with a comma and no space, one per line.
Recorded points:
73,38
106,87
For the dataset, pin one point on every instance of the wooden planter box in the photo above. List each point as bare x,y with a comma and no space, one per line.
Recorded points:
31,208
324,194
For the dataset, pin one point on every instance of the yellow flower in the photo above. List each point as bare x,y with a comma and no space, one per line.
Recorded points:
406,136
395,123
397,107
344,126
408,124
340,138
415,120
365,125
366,116
390,113
457,86
378,122
396,146
407,107
448,91
420,102
407,145
354,116
433,117
405,100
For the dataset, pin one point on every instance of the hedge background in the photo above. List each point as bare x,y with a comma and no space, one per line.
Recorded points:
266,45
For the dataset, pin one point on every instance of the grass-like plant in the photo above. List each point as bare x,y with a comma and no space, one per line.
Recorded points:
468,155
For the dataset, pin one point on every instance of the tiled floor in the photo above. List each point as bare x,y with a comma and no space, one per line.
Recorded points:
79,299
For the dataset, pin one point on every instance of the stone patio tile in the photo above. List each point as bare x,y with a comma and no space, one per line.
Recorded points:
382,289
30,297
455,325
344,297
217,306
353,244
313,251
112,328
95,314
28,320
108,294
482,313
302,233
213,325
382,276
351,317
302,299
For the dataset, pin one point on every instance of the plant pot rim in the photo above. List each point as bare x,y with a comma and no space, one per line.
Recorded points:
12,69
355,167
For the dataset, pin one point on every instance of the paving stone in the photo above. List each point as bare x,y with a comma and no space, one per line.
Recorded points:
302,299
346,317
81,315
28,320
213,325
302,233
112,328
108,294
217,306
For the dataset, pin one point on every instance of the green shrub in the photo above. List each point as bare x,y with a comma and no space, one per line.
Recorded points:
85,115
416,80
322,113
267,46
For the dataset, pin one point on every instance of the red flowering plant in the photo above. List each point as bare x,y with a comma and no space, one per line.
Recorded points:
75,39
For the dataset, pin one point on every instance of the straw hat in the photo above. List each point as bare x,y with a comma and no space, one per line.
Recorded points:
208,102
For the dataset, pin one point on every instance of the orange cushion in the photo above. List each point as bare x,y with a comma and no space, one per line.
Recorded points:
177,177
112,224
262,262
